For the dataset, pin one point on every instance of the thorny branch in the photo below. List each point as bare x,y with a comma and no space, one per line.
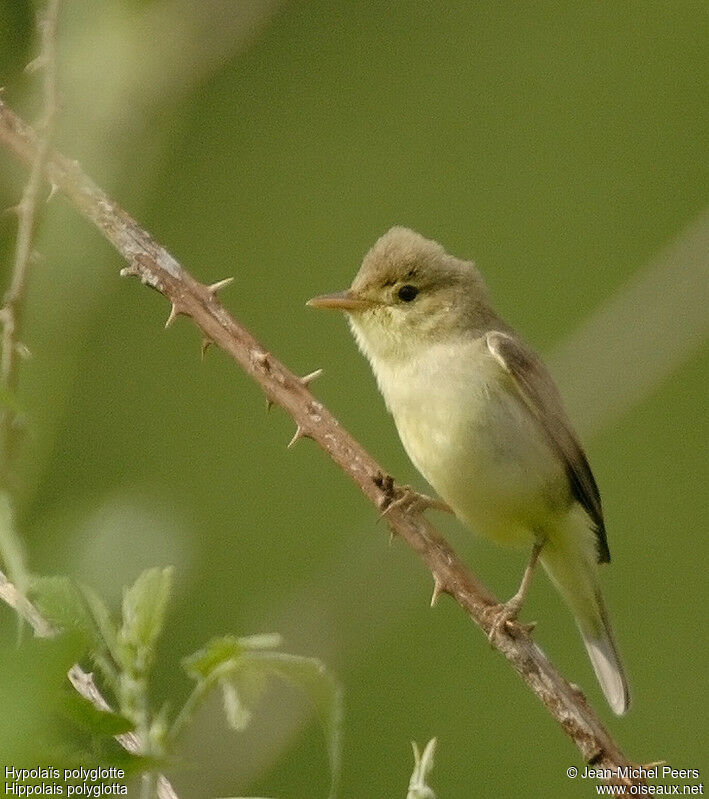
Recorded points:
156,267
11,312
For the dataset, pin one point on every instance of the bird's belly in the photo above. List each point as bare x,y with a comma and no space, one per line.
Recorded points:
486,458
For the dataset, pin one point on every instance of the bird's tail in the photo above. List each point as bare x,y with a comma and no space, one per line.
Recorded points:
573,572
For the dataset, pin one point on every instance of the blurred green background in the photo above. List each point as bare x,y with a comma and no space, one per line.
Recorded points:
560,145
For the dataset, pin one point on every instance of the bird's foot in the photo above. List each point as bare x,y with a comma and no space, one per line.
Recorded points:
504,616
407,499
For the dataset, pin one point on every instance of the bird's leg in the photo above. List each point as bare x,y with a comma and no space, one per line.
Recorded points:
509,611
408,499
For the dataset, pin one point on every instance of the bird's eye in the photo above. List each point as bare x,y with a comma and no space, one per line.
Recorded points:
407,293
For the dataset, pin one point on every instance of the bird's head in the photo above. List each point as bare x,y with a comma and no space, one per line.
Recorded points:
409,293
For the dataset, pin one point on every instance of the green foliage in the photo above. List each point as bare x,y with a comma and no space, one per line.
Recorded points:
238,668
107,648
310,676
51,723
144,606
101,723
60,602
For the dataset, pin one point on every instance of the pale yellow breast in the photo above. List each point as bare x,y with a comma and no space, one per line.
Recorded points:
473,441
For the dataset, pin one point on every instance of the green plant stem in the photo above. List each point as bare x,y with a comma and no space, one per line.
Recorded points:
200,690
13,306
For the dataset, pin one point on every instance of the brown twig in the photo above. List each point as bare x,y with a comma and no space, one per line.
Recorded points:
11,312
25,609
156,267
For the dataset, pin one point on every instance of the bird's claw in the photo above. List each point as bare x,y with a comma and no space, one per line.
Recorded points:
407,499
504,616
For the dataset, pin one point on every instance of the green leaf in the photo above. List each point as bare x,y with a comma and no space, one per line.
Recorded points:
240,667
160,727
106,632
95,721
220,655
311,676
238,714
12,551
203,664
144,606
60,602
32,690
242,691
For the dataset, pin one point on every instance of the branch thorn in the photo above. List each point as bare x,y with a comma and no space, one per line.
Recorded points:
206,344
53,189
438,589
306,380
130,271
174,313
299,433
219,285
654,764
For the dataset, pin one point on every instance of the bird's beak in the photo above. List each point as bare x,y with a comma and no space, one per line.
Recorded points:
341,301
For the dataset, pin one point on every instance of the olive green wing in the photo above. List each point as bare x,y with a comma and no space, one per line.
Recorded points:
540,395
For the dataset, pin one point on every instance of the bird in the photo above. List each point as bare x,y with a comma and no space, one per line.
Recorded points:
482,420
